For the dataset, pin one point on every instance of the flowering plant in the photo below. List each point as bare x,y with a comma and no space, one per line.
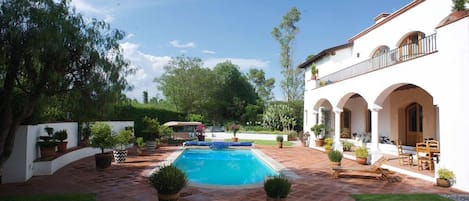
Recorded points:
200,129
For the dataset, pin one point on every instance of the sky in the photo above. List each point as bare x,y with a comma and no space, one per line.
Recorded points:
220,30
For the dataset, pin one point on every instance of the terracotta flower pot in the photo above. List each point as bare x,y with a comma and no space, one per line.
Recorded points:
168,197
334,164
47,151
62,147
443,182
319,142
362,161
235,139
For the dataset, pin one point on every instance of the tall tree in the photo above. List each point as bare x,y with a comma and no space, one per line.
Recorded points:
47,49
263,87
285,34
186,84
145,97
233,92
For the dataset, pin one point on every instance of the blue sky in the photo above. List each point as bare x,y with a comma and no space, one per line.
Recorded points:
235,30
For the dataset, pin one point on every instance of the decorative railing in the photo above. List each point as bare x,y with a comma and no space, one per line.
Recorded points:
401,54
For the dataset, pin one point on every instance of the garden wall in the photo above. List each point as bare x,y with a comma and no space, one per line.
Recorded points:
22,165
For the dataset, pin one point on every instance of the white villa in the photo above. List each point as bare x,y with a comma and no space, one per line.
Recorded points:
404,77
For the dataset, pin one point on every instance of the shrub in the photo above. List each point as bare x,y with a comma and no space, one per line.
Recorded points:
361,152
329,141
444,173
347,146
335,156
279,138
277,187
140,142
168,180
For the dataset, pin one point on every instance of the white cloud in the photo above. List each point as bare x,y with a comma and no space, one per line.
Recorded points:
208,52
244,64
147,68
129,36
92,11
178,44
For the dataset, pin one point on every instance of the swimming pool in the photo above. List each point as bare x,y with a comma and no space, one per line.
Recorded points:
226,167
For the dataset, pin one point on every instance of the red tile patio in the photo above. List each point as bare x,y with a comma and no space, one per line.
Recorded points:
127,181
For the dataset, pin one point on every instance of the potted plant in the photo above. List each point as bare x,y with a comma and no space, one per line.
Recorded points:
361,155
168,182
101,137
317,130
200,130
328,144
314,71
150,131
235,128
47,145
445,177
140,146
347,146
277,188
61,135
335,157
124,138
280,141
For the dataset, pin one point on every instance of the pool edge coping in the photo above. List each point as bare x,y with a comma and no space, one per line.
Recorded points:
275,165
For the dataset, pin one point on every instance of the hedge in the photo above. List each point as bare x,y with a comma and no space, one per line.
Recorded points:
137,112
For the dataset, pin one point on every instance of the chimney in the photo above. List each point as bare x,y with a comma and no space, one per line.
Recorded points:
381,17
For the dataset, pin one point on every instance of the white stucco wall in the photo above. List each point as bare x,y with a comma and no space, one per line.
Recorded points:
442,74
21,166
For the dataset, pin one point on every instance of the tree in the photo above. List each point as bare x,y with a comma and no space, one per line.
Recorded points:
285,34
232,94
263,87
459,5
145,97
46,50
187,85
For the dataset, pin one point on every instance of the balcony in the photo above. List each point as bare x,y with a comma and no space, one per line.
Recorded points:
419,48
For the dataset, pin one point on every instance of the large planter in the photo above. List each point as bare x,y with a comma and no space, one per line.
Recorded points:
120,155
280,144
443,182
168,197
62,147
151,145
47,151
234,139
362,161
319,142
276,199
103,161
334,164
141,151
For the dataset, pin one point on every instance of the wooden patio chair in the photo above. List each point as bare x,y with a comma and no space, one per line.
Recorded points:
423,156
375,169
404,158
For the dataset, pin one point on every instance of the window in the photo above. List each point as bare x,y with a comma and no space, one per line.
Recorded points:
411,46
380,56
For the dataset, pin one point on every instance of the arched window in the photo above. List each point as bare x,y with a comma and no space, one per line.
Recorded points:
380,56
411,46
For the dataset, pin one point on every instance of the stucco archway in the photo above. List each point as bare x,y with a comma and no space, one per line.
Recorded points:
408,113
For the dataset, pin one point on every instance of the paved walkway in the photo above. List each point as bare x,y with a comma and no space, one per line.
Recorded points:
127,181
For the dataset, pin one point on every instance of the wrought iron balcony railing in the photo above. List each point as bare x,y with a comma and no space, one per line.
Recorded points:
422,47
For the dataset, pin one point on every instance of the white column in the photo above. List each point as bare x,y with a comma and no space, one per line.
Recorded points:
374,132
337,144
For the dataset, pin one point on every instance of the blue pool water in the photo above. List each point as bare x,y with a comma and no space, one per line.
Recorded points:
225,167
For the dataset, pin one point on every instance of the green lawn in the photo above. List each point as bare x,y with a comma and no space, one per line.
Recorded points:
399,197
52,197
